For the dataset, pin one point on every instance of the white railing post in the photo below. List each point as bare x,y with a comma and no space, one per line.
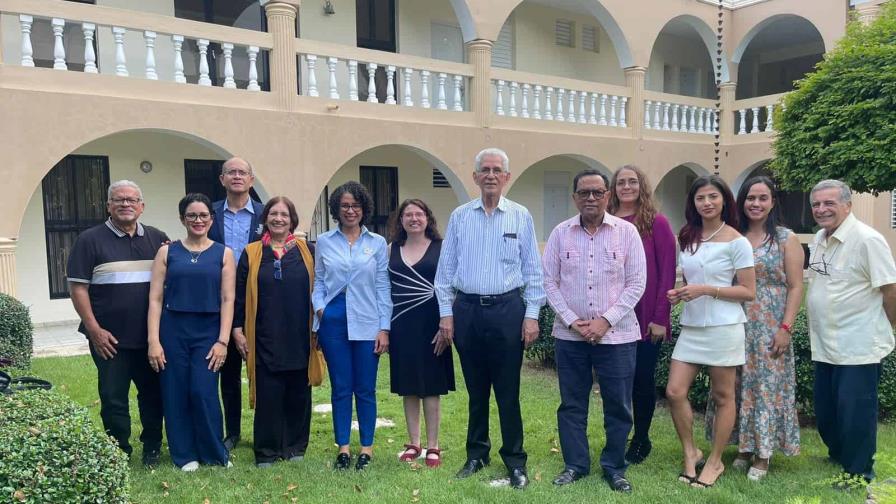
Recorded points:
371,83
674,121
252,52
89,54
204,79
647,105
310,63
227,49
558,111
331,78
149,38
592,110
424,89
390,85
514,86
499,97
657,124
743,122
548,98
770,117
707,125
614,102
571,107
755,128
121,63
699,120
602,121
25,22
443,100
666,106
458,98
525,101
353,80
583,118
622,123
408,98
178,42
692,119
536,102
683,124
58,45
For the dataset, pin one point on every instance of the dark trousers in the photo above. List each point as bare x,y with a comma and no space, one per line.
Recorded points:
490,347
644,388
282,413
114,377
232,391
615,368
846,413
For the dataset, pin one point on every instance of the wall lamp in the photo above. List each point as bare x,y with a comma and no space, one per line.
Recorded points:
328,8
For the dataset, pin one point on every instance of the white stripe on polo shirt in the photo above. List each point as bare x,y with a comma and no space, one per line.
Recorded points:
122,272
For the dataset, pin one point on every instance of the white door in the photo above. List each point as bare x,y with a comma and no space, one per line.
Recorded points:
448,45
557,194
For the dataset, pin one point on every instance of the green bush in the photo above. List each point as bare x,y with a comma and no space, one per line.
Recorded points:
542,350
15,332
50,451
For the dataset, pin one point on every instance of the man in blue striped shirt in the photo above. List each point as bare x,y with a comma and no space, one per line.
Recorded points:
489,287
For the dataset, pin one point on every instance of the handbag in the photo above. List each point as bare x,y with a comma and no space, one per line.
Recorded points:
317,365
10,385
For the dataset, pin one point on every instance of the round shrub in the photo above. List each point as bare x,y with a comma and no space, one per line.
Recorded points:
50,451
542,349
15,332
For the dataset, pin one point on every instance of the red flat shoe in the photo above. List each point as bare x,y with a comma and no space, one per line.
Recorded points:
410,453
437,460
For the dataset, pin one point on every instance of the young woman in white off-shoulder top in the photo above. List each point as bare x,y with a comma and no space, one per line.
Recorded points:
717,265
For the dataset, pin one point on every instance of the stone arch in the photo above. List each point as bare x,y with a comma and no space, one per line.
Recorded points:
751,33
464,19
672,188
706,34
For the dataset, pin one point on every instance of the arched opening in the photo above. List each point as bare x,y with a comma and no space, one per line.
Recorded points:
545,189
393,173
681,61
672,191
775,53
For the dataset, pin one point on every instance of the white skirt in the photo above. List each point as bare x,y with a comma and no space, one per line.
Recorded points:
711,346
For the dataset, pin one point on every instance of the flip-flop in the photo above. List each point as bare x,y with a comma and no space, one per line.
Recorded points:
684,478
701,485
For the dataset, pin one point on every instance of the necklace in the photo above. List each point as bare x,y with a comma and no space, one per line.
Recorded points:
194,256
714,233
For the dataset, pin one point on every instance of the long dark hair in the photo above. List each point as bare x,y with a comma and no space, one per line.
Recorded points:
361,195
290,207
774,218
646,211
397,233
689,236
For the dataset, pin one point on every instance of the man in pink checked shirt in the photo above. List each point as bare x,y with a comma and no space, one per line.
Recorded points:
594,275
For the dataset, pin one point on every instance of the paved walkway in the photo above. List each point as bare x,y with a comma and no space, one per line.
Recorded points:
59,340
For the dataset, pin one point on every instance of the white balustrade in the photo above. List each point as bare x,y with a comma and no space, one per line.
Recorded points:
371,83
535,101
536,110
499,98
149,39
58,45
770,117
666,116
548,97
390,85
513,88
743,122
755,128
424,89
89,53
656,115
407,98
353,80
674,121
443,101
622,123
571,107
583,119
603,110
749,119
699,128
647,105
204,79
592,113
525,112
614,100
121,63
558,114
252,52
331,78
227,49
25,23
458,97
178,42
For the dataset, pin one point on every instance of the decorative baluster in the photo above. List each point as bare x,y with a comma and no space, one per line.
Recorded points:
656,116
443,101
755,128
614,100
743,122
149,39
603,110
666,116
700,120
622,123
407,98
58,45
770,118
558,115
331,80
583,119
424,89
592,111
252,52
674,122
89,54
227,49
371,83
692,121
707,125
526,89
647,105
311,63
548,98
121,64
390,85
25,22
499,98
536,102
353,80
683,125
458,98
178,42
513,88
571,107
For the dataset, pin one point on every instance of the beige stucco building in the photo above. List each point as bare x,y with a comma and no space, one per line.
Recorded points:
399,94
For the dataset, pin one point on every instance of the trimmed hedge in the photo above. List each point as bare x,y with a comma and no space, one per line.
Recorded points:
50,451
16,342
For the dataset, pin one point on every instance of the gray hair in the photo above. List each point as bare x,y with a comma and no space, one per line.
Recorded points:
118,184
845,192
237,158
493,151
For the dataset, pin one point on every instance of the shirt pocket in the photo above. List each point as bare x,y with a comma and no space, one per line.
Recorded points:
510,247
571,265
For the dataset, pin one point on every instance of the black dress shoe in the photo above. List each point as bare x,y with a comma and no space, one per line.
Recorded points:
363,462
567,476
518,478
638,451
151,458
619,483
343,461
470,468
230,442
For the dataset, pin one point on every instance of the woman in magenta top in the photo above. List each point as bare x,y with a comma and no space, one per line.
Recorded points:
631,198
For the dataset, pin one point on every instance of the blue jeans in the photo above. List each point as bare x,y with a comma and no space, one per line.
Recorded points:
615,366
352,366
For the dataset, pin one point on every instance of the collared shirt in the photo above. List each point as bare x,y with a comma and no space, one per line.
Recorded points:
362,272
238,227
587,276
490,254
117,268
847,321
715,264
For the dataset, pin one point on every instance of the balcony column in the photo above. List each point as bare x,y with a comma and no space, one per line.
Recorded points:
479,53
8,266
726,111
634,79
281,15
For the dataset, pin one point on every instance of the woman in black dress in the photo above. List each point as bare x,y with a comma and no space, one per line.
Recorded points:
420,370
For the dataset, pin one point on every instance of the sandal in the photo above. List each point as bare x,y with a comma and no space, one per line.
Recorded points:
410,453
756,474
684,478
701,485
436,461
741,464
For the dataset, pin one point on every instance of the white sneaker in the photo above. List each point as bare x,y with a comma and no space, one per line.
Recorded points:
190,466
229,464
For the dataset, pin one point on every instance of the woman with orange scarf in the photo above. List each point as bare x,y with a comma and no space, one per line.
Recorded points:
272,330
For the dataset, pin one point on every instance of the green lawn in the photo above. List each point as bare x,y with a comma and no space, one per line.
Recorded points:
802,479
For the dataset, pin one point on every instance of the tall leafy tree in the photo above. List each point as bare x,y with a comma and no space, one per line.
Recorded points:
840,122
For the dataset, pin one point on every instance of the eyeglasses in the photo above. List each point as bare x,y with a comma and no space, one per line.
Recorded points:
354,207
241,173
821,267
278,270
197,217
125,201
598,194
630,182
496,170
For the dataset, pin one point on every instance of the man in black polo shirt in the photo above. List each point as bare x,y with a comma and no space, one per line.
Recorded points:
108,274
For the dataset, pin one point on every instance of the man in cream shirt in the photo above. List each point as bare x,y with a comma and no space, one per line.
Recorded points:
852,309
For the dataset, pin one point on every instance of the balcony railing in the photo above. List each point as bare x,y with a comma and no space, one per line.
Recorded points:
756,115
682,114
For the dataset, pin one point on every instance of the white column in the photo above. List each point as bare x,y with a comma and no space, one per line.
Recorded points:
743,122
458,97
149,38
331,78
89,54
674,122
602,121
371,83
647,105
178,42
121,63
407,99
353,80
770,117
548,98
27,50
499,97
666,106
536,102
558,111
755,128
514,86
443,100
390,85
571,107
58,46
583,118
252,51
592,111
525,104
424,89
622,123
692,120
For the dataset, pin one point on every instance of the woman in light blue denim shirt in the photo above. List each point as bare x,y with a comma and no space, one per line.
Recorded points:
353,307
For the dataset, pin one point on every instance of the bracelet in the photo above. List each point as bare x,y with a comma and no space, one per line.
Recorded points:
219,342
717,293
786,327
